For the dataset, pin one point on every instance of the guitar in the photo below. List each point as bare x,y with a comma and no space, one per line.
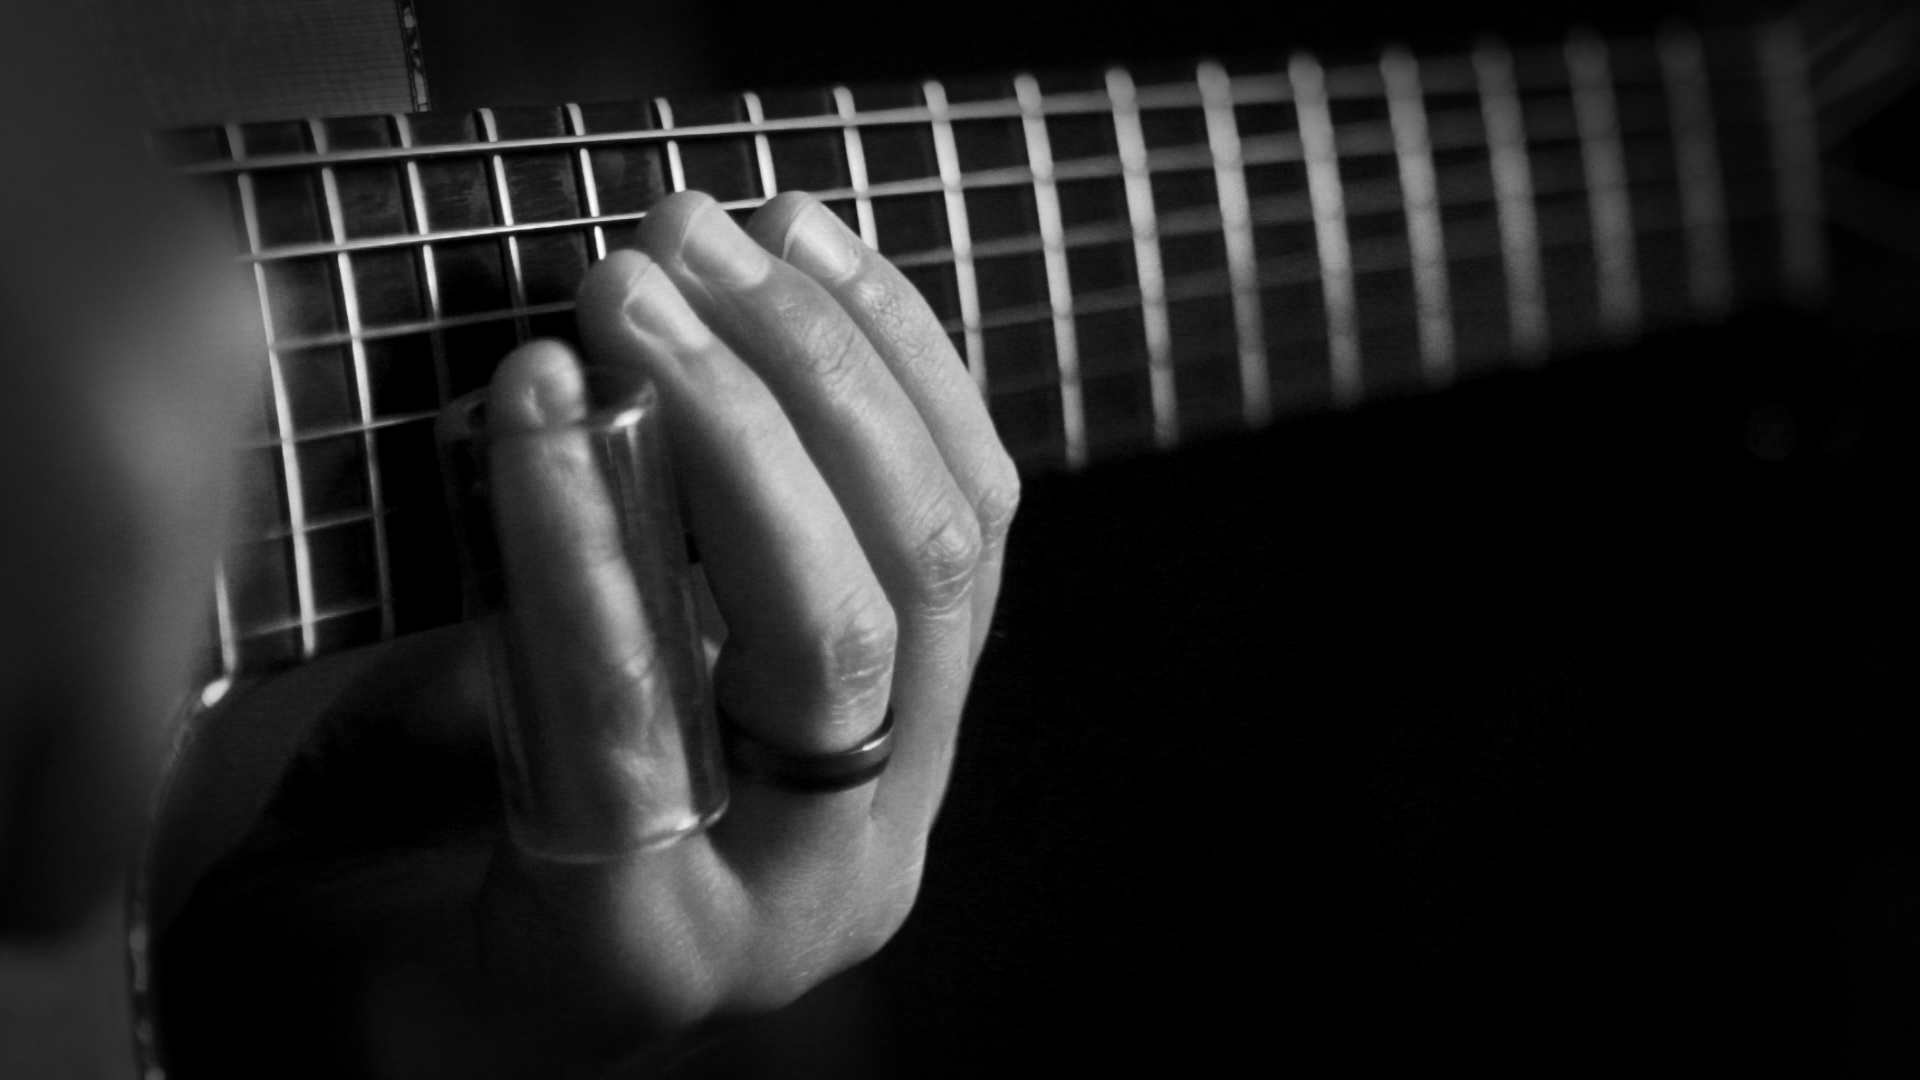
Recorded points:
1128,261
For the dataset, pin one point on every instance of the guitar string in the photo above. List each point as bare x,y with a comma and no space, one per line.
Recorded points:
1551,123
1461,187
1372,257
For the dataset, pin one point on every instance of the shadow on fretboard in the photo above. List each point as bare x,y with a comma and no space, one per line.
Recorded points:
1124,264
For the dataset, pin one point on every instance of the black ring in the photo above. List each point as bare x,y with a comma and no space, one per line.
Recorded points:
812,774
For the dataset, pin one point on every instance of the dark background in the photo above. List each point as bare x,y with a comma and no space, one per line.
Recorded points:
1559,723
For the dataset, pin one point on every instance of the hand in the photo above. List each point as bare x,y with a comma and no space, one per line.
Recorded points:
850,502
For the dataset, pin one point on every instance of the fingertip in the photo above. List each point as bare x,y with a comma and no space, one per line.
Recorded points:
538,386
660,233
771,224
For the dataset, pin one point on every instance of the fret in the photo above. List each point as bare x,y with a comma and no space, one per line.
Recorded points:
1236,226
1132,144
1407,111
1709,262
282,409
676,170
503,204
1519,228
226,638
589,183
762,149
959,233
1329,226
1606,175
429,270
349,294
857,166
1046,199
1796,160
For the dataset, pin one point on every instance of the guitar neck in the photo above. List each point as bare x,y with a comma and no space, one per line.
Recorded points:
1126,261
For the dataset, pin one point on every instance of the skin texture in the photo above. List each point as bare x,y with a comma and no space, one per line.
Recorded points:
850,502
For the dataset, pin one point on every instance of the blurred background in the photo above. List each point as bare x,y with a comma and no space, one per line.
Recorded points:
1556,724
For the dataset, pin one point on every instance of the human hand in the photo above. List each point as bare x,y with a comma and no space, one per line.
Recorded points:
850,501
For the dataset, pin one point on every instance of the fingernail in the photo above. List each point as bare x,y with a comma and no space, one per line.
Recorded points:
718,250
657,311
822,246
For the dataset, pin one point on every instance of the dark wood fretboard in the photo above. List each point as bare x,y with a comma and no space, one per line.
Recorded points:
1126,260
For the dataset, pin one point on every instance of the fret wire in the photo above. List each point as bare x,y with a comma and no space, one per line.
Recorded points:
362,385
1131,141
762,149
589,183
676,172
503,198
1796,159
1329,226
223,618
429,269
1419,187
282,407
1606,173
1356,140
1519,229
1236,226
959,233
1046,199
856,153
1697,161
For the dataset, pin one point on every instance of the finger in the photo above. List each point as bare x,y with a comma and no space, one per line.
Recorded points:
808,661
915,347
872,448
602,677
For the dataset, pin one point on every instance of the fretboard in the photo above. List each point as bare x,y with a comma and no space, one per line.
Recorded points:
1126,260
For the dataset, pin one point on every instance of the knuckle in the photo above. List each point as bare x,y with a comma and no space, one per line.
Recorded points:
829,348
997,498
947,554
856,653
